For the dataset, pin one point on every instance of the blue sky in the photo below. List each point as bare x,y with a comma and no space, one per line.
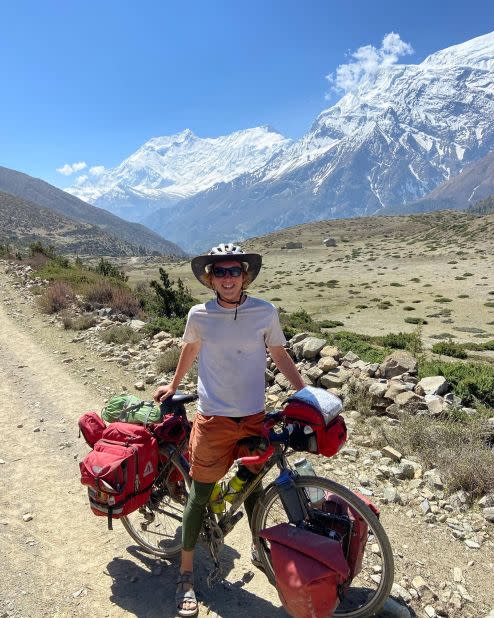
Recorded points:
93,81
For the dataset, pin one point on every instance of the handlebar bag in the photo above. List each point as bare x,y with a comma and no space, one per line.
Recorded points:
120,471
316,423
310,570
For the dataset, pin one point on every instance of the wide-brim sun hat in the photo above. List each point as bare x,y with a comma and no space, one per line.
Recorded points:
252,262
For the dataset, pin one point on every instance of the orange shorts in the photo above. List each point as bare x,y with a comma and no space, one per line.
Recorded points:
213,444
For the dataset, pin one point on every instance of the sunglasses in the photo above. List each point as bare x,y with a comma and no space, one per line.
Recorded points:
222,271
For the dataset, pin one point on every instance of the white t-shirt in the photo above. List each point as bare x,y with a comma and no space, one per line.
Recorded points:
232,358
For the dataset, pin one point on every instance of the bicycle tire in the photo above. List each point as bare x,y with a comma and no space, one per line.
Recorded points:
359,601
157,526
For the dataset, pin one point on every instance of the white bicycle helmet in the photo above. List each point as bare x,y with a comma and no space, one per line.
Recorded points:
201,264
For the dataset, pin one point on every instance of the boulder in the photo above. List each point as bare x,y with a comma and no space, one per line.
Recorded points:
314,373
397,363
432,385
395,388
330,350
312,346
327,363
407,399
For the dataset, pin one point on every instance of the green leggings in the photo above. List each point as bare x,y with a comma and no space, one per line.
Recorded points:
194,511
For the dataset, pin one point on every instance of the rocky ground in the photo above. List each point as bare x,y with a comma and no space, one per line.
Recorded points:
59,560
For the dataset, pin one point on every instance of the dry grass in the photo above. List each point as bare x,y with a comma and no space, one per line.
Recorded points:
81,322
56,297
168,360
119,299
458,447
121,334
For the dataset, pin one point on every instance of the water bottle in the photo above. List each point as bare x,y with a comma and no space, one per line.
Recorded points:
304,468
216,500
236,483
294,508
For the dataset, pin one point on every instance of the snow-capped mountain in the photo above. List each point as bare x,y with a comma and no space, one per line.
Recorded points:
398,135
168,169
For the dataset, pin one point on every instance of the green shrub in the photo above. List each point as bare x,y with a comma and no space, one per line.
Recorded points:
411,320
121,334
174,326
328,323
473,382
171,301
448,348
107,269
359,344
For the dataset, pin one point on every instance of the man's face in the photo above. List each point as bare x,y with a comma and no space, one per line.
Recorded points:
228,287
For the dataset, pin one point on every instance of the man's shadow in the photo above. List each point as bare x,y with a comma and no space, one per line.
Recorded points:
145,587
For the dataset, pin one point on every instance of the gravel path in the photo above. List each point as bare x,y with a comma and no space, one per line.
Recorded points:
58,560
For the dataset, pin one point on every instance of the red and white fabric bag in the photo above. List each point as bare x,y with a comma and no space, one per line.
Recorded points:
120,471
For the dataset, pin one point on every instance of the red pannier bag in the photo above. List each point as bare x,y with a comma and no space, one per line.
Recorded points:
91,426
316,423
310,570
120,471
350,527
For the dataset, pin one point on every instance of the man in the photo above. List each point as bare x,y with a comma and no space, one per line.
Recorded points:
230,334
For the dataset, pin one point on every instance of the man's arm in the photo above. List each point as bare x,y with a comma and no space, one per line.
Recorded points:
286,365
187,357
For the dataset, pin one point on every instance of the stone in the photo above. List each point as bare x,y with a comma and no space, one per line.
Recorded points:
312,346
459,500
139,386
403,471
331,380
401,592
488,513
137,325
435,404
282,381
350,357
314,373
433,480
407,399
389,451
391,496
397,363
487,500
377,389
395,388
27,517
330,350
432,385
430,611
298,338
150,378
472,544
457,575
327,363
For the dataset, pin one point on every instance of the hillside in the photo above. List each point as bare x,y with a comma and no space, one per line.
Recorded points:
384,275
474,183
23,222
483,207
45,195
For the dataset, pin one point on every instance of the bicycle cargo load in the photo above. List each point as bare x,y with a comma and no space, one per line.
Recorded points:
350,528
313,416
310,570
120,471
130,409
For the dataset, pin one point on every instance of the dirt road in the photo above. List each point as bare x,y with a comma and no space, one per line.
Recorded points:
58,560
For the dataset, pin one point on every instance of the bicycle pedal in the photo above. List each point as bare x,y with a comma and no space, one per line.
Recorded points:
226,527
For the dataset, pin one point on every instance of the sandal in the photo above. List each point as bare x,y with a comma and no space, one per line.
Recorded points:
183,595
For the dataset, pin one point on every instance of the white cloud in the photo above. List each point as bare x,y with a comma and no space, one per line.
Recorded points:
69,169
97,170
80,180
367,61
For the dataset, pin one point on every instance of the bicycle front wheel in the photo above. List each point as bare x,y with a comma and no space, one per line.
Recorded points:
369,588
157,525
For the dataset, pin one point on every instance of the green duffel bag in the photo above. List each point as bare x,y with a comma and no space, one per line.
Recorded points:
130,409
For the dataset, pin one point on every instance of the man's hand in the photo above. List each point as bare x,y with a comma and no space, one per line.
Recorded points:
163,392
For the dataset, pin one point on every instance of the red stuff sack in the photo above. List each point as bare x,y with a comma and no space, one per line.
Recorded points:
310,570
91,426
120,471
171,430
312,416
350,528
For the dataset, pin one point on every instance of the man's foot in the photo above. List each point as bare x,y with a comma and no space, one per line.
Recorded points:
185,598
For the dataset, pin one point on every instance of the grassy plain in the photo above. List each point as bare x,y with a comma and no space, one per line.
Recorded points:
384,274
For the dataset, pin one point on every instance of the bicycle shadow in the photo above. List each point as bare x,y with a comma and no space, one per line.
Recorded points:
145,586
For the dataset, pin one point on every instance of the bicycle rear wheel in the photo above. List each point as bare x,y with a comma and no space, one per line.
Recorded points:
371,586
157,525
